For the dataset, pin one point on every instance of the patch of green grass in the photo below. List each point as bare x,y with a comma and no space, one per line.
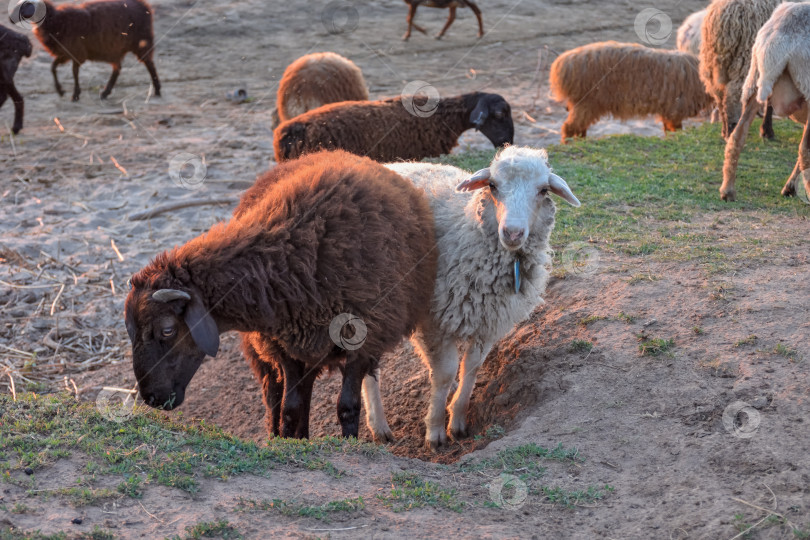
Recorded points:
581,346
585,321
409,491
558,495
78,496
15,534
750,340
625,318
655,346
639,278
36,430
524,461
321,512
787,352
741,525
131,487
211,529
698,331
19,508
650,196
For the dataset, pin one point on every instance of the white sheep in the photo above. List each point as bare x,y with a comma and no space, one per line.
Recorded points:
688,38
492,270
780,71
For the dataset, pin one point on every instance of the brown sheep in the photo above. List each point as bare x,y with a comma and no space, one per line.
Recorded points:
313,240
315,80
402,128
626,80
13,46
101,30
442,4
729,30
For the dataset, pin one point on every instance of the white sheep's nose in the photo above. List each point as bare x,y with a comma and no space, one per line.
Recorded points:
512,237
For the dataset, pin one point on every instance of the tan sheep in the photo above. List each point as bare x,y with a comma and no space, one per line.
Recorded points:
315,80
627,81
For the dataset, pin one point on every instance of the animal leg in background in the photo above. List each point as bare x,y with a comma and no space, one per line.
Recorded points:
375,415
474,356
441,356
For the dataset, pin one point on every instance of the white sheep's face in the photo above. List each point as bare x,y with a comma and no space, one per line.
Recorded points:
518,188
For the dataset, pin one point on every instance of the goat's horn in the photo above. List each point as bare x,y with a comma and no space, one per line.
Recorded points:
167,295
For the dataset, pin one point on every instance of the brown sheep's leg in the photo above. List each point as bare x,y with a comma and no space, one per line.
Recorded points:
477,12
348,407
76,89
766,129
575,125
56,63
271,380
19,106
790,186
450,18
150,67
113,77
292,404
302,432
672,125
734,146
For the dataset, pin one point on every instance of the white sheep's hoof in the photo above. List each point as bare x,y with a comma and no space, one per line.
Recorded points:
458,428
436,438
383,436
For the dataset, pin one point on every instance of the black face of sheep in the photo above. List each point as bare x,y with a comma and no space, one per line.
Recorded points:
492,116
171,332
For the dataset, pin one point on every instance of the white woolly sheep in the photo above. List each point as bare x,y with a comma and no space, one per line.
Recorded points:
729,30
688,38
780,72
317,79
492,270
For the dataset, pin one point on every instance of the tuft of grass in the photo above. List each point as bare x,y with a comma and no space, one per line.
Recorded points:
320,512
787,352
581,346
131,487
211,529
524,461
750,340
655,346
585,321
409,491
698,331
638,278
569,499
625,318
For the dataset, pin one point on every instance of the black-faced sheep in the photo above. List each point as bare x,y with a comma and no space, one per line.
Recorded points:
101,30
780,72
689,33
312,241
395,129
626,80
494,260
729,30
13,46
315,80
444,4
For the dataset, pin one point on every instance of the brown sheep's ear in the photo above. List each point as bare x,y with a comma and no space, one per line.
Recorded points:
560,187
479,114
203,329
477,181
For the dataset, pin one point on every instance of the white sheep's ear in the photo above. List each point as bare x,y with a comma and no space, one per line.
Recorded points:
560,188
477,181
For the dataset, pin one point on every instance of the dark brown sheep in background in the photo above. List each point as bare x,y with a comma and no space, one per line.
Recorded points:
102,30
627,81
13,46
442,4
398,129
315,80
315,239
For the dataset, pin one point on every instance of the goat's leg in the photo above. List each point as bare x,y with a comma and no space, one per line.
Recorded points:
76,88
734,146
348,407
375,415
473,358
113,77
150,67
477,12
450,18
766,129
55,64
576,125
441,356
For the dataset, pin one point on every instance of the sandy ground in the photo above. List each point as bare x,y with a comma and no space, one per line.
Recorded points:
651,427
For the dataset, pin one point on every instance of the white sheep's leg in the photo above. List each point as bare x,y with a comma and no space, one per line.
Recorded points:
441,355
790,186
375,415
473,358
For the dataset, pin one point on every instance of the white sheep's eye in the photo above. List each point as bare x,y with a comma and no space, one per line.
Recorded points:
168,331
544,192
493,189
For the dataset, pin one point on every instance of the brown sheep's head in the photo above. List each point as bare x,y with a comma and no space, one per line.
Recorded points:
171,332
492,116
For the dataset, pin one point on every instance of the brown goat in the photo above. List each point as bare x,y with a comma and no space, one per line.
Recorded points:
101,30
442,4
314,239
627,81
395,129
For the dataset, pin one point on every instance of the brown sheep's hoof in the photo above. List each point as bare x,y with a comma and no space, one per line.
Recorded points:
459,434
406,37
438,36
729,196
75,98
768,135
